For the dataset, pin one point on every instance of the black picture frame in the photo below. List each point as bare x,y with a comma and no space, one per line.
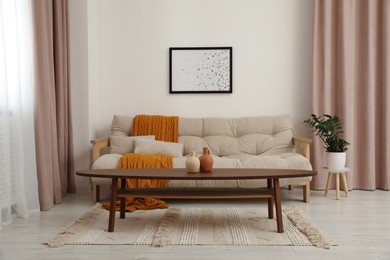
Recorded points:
200,70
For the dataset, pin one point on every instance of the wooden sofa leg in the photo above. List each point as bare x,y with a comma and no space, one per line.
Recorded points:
96,192
306,192
290,187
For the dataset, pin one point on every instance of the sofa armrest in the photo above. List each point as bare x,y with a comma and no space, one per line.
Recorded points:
97,145
303,143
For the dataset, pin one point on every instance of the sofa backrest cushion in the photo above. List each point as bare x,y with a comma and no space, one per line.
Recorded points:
122,125
227,136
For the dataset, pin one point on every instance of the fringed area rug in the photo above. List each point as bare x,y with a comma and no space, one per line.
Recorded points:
193,226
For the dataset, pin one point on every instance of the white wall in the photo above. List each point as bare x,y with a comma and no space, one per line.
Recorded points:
78,65
127,61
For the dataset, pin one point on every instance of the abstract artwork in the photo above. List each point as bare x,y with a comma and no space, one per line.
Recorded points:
200,70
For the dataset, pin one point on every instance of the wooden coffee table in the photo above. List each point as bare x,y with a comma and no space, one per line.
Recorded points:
271,192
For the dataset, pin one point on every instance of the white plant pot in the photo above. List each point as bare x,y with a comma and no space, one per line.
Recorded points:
336,161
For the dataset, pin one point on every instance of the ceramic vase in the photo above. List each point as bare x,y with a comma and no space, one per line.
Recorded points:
206,161
193,162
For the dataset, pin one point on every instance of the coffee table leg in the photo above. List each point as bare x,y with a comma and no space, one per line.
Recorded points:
111,220
278,205
270,201
123,199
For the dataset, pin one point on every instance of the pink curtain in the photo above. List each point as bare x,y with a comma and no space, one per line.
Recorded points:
53,129
351,79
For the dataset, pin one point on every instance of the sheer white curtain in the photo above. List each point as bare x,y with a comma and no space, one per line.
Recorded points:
18,178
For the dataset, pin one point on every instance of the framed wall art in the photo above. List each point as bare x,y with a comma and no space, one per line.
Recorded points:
200,70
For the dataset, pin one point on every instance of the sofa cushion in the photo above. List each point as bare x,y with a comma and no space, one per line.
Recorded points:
125,144
227,136
158,147
192,143
279,161
107,161
236,136
122,125
282,161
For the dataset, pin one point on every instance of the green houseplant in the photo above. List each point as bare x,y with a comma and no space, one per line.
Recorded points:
329,128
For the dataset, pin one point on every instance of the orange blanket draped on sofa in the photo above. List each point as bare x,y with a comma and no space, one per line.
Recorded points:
164,128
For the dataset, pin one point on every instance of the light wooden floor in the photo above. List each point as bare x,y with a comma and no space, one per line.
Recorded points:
359,224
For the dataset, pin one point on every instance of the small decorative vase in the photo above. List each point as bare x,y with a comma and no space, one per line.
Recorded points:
193,162
206,161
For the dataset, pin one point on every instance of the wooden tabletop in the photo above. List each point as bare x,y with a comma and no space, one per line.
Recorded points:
182,174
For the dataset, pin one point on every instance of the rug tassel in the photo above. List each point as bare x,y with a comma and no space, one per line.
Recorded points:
165,232
62,237
315,236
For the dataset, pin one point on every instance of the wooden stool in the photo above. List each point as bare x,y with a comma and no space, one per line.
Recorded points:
337,174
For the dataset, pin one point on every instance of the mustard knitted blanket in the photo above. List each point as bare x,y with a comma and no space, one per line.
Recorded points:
165,129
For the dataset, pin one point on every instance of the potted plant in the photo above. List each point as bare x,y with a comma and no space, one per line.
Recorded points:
328,128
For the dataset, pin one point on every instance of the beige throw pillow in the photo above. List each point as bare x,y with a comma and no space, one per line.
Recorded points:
125,144
158,147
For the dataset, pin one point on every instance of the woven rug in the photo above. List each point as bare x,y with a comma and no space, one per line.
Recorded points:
193,226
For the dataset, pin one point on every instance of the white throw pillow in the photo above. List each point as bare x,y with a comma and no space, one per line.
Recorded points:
158,147
125,144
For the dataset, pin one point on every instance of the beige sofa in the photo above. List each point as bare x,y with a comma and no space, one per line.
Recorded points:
246,142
